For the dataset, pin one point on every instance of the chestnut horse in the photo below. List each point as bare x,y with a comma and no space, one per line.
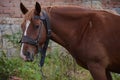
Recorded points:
92,37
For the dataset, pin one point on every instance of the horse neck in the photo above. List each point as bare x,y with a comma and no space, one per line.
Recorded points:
65,29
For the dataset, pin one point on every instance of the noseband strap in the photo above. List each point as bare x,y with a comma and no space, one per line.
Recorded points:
28,40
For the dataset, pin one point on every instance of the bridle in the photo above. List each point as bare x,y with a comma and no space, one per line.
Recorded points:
35,42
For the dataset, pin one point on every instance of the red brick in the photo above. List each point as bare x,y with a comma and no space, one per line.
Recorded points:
14,8
14,1
4,15
4,8
40,1
26,2
18,12
50,0
4,2
1,11
8,11
8,5
62,0
1,8
16,15
1,4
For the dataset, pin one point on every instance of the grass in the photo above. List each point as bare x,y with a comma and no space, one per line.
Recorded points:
61,66
58,66
16,67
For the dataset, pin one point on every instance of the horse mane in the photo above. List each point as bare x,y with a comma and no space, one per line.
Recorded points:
79,8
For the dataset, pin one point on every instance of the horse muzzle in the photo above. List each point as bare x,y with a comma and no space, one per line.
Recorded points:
27,56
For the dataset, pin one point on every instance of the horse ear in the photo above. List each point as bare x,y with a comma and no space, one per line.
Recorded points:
37,8
23,8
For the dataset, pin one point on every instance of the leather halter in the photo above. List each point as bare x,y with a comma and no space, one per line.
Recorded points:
26,39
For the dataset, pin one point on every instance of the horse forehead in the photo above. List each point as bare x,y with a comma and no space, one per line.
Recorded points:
27,23
26,27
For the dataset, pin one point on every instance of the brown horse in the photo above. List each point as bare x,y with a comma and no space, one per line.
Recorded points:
92,37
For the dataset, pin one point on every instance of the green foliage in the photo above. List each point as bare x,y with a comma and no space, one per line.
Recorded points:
7,66
61,66
57,67
116,76
14,38
29,71
16,67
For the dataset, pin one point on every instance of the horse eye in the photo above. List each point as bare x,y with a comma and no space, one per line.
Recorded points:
37,26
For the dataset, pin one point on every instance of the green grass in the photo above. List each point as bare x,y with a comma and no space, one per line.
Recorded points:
58,66
61,66
17,67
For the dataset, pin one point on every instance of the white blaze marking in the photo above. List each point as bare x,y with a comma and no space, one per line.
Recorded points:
27,25
25,33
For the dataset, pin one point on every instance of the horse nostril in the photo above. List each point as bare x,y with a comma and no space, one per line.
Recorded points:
29,56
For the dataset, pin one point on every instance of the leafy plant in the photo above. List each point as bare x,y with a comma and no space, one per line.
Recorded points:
14,38
8,67
116,76
16,67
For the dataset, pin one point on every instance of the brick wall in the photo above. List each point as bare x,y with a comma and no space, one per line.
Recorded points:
10,8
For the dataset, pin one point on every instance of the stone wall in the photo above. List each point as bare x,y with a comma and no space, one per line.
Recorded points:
9,28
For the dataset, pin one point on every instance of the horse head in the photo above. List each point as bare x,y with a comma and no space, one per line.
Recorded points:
34,32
